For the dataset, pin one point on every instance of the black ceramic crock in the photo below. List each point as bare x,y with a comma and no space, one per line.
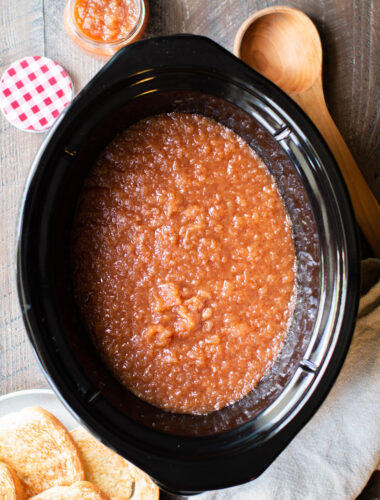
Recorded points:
188,453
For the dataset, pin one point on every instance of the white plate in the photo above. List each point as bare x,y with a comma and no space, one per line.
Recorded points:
16,401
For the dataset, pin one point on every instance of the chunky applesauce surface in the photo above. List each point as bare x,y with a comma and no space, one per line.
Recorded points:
184,263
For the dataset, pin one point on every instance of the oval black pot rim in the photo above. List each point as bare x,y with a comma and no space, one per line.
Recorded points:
315,397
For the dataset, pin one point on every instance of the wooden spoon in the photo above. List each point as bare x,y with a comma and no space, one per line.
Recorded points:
283,44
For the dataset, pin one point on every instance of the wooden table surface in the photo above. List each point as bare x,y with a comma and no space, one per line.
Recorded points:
350,36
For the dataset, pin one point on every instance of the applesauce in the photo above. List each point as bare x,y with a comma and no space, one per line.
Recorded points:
105,21
184,263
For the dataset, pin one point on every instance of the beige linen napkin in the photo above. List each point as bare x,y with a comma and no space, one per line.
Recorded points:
336,452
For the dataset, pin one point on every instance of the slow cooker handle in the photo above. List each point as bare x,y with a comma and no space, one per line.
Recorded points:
195,51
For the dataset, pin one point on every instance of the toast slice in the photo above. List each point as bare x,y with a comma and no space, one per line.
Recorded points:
112,473
11,487
40,450
81,490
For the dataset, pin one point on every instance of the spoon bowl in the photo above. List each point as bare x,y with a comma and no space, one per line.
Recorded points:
283,44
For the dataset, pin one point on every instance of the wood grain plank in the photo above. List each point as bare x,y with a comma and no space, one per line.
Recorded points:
21,34
218,20
352,81
21,31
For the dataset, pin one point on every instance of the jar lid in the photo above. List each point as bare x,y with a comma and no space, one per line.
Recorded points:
33,93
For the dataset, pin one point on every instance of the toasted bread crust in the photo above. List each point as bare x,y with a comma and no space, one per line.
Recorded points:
40,449
112,473
11,487
81,490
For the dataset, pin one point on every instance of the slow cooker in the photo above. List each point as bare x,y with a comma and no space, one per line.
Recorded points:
191,453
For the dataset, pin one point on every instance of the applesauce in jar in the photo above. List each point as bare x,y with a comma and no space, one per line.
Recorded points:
184,263
106,20
102,27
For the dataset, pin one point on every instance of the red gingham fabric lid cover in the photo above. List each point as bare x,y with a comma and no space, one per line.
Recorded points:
33,93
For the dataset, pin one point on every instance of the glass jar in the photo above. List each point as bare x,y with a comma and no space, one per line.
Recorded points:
96,11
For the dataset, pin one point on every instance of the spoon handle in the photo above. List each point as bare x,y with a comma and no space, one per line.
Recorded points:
366,207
